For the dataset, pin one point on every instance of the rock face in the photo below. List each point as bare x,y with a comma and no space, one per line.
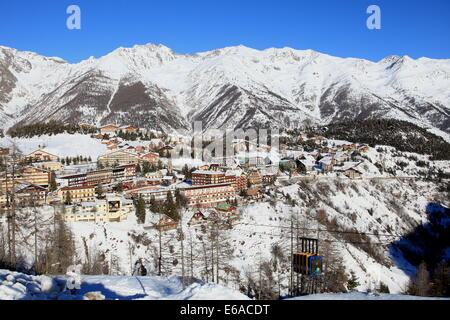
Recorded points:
151,86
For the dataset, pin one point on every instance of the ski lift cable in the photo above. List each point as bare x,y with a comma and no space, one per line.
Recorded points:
252,232
322,230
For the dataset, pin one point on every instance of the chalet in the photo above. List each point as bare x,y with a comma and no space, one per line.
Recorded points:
350,169
150,157
166,223
353,173
227,211
306,163
363,148
40,156
254,178
197,219
225,208
129,129
166,151
327,163
341,156
109,129
29,194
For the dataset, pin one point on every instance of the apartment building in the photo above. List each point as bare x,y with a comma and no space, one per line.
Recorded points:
36,176
94,178
208,195
112,209
77,194
54,166
160,194
119,157
74,180
204,177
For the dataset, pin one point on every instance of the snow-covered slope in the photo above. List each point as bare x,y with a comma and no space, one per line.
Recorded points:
362,296
154,87
18,286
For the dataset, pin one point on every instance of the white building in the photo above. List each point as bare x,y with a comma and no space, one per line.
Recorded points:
112,209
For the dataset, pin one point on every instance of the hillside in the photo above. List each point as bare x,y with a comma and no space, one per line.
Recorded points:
402,135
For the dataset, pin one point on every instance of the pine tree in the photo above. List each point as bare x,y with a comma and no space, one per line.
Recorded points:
384,288
99,191
153,205
53,186
140,210
420,286
138,168
180,199
68,198
441,280
353,282
171,208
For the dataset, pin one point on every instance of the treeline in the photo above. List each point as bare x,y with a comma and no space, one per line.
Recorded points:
402,135
52,127
75,160
131,136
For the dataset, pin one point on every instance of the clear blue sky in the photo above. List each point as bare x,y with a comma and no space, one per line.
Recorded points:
338,27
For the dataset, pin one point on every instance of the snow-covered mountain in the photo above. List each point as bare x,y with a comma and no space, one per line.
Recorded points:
151,86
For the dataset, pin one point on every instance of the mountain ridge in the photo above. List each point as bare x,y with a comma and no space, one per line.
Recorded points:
225,88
